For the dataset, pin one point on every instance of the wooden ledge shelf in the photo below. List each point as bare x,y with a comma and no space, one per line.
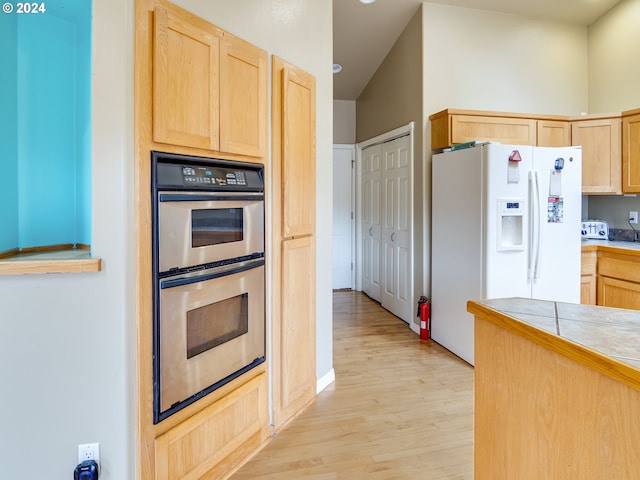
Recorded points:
56,261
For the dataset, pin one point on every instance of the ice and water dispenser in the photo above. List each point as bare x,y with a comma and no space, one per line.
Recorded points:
510,224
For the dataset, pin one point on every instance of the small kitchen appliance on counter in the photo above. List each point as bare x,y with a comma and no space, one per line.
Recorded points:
595,230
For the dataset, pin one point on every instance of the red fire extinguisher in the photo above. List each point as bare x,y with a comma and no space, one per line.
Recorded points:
423,314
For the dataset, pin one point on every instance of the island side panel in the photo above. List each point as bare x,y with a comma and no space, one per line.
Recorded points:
539,414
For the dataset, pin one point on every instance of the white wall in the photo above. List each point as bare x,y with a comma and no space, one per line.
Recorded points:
475,59
66,341
614,59
66,349
484,60
344,122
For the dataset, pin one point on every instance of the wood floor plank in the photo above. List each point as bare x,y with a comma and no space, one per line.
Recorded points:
399,408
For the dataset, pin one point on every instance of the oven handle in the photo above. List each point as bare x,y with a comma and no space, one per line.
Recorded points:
210,274
182,197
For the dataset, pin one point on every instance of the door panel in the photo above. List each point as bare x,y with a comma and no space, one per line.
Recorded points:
342,217
371,228
396,236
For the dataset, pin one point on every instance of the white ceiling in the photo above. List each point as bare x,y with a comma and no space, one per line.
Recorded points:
364,34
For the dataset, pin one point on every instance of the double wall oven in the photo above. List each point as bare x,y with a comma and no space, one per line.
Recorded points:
209,276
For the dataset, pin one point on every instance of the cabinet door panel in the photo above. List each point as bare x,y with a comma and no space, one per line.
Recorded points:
185,82
298,166
552,133
519,131
618,293
601,160
243,98
631,154
297,342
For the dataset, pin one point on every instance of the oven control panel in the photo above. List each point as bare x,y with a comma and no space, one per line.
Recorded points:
213,176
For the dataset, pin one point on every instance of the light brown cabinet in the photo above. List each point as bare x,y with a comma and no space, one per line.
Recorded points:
553,133
600,139
631,152
453,126
294,338
209,87
588,277
618,280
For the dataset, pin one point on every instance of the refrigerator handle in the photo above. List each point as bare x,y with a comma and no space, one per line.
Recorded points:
536,225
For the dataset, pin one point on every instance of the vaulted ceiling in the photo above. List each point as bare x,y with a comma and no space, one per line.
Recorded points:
364,34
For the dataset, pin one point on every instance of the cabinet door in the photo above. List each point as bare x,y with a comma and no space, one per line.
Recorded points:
554,133
518,131
299,140
613,292
185,81
297,342
243,98
601,159
588,277
294,258
631,154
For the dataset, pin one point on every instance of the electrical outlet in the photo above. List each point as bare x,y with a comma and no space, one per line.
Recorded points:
89,451
633,217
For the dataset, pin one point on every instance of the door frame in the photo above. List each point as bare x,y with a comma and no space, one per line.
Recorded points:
382,138
352,148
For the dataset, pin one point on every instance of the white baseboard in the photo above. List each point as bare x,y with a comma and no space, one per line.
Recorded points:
326,380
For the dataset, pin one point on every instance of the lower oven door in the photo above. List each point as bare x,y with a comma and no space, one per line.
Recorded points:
210,329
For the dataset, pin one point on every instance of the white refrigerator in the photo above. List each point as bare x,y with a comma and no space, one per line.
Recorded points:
505,223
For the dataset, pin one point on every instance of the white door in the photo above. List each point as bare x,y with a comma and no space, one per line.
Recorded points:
397,194
371,202
343,157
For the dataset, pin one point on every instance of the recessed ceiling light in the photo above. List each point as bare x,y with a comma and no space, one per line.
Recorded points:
367,2
337,68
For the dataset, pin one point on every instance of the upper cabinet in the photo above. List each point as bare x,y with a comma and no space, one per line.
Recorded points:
601,162
610,142
554,133
243,97
209,87
631,151
451,126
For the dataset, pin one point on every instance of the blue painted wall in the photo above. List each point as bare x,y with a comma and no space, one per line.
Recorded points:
8,134
53,120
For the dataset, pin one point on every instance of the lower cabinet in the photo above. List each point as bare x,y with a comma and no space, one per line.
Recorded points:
588,277
217,438
618,280
618,293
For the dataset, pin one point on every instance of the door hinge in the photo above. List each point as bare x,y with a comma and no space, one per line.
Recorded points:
351,215
351,266
352,163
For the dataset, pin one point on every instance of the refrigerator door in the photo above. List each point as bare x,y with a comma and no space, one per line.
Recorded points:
557,269
507,226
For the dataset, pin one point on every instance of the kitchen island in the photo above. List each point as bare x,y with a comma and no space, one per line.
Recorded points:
556,392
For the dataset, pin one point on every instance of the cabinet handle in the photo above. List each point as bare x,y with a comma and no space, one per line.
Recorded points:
371,231
393,237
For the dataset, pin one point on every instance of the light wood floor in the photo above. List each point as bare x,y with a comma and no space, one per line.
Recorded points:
399,408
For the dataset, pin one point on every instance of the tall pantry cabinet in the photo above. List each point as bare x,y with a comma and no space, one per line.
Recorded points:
294,237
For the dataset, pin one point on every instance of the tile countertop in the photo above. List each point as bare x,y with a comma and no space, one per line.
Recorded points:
632,248
605,339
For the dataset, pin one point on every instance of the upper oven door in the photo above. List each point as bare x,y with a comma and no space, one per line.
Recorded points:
196,228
